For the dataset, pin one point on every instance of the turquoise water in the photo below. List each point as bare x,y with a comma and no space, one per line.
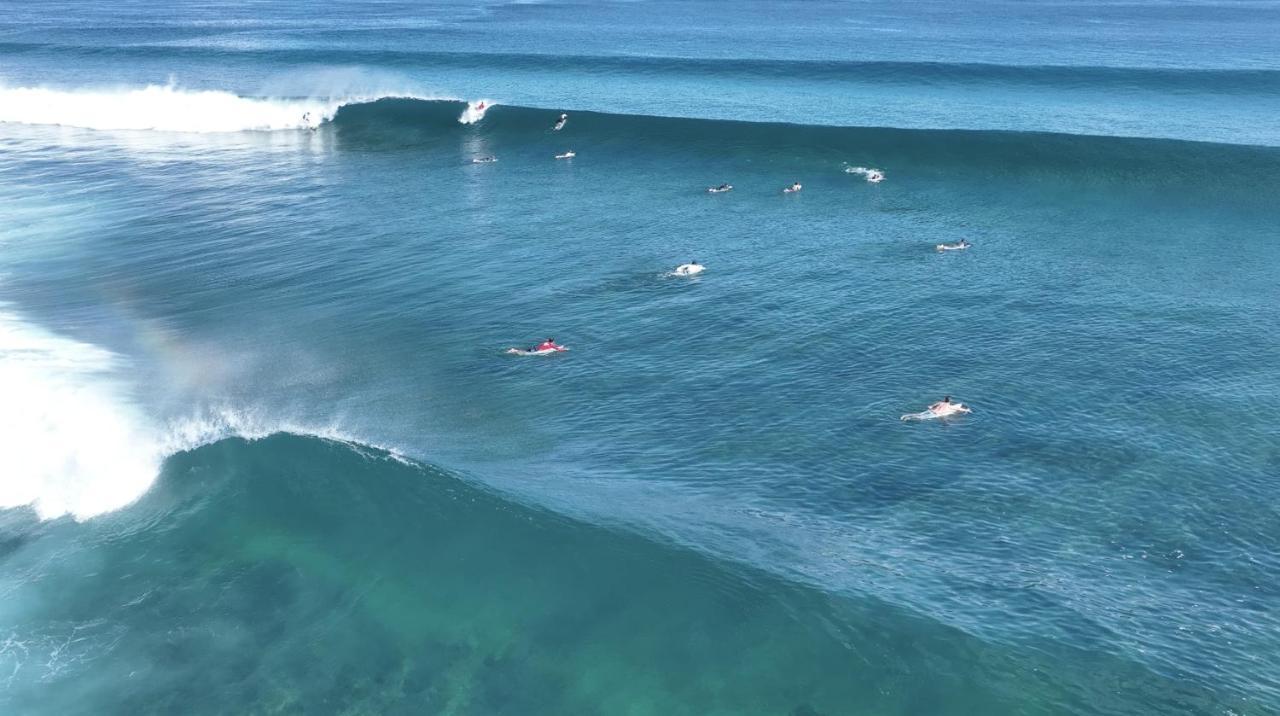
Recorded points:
263,452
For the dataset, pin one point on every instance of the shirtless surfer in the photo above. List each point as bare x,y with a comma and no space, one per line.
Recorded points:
942,409
945,407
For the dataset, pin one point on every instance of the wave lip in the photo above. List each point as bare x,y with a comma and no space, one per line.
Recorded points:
169,108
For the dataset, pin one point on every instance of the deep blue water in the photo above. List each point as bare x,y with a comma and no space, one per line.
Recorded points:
262,451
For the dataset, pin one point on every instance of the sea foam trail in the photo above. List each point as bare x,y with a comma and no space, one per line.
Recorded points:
172,109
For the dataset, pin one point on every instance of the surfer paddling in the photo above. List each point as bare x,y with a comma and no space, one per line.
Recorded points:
544,348
945,407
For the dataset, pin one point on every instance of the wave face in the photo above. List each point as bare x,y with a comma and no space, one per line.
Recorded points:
391,123
347,580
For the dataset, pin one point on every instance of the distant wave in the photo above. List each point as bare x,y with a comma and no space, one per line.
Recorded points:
1224,105
169,108
390,119
1214,80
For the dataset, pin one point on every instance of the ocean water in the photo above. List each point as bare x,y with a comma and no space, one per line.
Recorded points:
261,450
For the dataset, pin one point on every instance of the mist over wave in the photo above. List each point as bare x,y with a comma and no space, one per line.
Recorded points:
77,442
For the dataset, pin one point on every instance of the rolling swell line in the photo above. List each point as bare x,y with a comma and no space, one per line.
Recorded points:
1134,78
392,121
146,108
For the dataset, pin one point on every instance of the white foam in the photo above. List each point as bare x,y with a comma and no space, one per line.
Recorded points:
475,111
71,440
875,176
172,109
689,269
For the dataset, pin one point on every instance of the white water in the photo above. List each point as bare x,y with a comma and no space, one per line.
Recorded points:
73,441
687,270
475,111
875,176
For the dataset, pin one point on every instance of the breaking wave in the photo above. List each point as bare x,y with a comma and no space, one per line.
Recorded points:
76,441
170,108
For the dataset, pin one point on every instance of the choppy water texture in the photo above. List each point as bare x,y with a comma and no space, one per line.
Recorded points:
261,450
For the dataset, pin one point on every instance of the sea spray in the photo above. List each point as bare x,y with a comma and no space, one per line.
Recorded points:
475,111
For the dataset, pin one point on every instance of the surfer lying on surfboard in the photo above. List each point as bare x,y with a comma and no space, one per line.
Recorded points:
546,347
941,409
